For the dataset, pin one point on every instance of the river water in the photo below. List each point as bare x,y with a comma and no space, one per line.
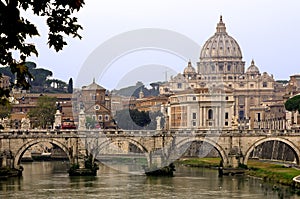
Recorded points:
50,180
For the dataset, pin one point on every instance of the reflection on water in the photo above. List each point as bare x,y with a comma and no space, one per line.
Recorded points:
50,180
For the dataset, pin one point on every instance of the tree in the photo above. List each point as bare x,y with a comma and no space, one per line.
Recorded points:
137,120
90,122
70,86
55,86
43,113
5,110
16,29
293,104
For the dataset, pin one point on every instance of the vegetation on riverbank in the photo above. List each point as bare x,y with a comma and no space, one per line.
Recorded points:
270,172
200,162
273,172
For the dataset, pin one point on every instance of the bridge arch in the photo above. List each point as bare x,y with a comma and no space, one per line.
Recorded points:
30,143
140,146
132,141
214,144
285,141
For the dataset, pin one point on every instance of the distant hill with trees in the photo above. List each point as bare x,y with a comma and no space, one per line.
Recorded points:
136,89
40,83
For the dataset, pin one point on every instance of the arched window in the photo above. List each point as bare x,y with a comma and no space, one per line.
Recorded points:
210,114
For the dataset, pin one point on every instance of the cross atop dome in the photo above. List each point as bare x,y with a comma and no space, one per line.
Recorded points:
221,28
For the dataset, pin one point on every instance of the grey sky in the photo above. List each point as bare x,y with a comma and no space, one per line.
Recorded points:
266,30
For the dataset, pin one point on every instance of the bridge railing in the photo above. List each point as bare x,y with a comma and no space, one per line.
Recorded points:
35,132
119,132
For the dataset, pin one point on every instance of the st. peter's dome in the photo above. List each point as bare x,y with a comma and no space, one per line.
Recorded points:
221,55
221,45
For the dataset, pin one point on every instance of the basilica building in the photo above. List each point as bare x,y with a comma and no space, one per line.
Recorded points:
219,92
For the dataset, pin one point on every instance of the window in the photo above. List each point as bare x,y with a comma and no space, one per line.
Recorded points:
241,115
221,67
251,85
258,117
226,98
179,85
106,117
194,116
226,116
226,123
194,123
228,67
97,107
194,98
265,84
100,117
210,114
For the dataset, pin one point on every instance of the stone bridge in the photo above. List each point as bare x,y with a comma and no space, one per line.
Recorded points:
159,147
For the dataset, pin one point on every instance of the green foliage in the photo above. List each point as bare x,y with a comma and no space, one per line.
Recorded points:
293,104
15,30
200,162
4,94
133,119
140,118
40,76
5,110
60,86
272,172
39,83
90,122
70,86
282,81
43,114
135,90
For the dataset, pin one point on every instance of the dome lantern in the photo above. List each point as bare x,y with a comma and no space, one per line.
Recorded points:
221,26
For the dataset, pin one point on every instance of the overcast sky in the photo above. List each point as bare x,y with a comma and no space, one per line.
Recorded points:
266,30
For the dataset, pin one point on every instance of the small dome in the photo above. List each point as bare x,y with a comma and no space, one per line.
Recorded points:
221,45
252,69
189,69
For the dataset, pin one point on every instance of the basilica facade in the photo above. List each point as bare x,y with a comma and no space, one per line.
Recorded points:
220,91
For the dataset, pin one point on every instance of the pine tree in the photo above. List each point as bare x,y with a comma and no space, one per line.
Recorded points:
70,86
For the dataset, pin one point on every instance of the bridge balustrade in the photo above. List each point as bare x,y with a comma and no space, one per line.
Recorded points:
119,132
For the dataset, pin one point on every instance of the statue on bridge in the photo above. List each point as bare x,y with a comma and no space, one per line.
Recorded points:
25,123
234,122
158,120
5,123
82,120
